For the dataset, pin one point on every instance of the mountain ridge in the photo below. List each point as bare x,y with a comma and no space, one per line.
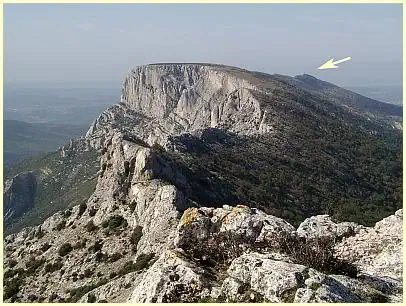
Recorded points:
193,153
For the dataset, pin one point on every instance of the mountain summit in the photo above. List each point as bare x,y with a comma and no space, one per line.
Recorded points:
217,184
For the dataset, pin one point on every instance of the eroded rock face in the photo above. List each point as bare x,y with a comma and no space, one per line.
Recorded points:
275,280
323,226
170,279
159,101
132,214
249,224
378,250
183,90
19,195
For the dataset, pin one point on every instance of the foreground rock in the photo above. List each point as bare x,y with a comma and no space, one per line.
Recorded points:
232,254
377,251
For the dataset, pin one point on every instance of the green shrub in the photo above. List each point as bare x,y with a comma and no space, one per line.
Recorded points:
74,276
9,273
52,297
12,263
34,264
136,235
52,267
11,288
88,273
82,208
67,213
91,298
115,222
128,267
219,249
112,275
45,247
156,147
32,297
80,244
132,205
142,262
61,225
317,253
40,233
97,246
77,293
115,256
65,249
92,211
90,226
101,257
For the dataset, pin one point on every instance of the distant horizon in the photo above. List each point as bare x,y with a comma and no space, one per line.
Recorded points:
99,43
111,85
60,84
388,93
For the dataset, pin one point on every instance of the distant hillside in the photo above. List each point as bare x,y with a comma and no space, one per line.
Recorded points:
22,139
390,94
328,91
65,105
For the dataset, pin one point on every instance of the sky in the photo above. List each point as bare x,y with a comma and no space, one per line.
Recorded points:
97,44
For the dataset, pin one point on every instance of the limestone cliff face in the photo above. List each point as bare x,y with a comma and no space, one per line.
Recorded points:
158,91
171,99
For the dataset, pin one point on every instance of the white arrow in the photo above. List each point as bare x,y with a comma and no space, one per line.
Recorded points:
332,64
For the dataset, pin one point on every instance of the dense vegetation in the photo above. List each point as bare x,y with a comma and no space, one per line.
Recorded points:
319,159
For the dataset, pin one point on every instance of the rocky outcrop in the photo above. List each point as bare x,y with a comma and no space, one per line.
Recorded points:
254,265
249,225
323,226
378,250
19,195
170,279
260,273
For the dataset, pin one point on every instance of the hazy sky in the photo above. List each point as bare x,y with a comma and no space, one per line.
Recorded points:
97,44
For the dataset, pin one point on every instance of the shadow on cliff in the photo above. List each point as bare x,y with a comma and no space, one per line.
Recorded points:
293,177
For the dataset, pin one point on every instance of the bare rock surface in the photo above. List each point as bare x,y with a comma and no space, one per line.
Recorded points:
378,250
